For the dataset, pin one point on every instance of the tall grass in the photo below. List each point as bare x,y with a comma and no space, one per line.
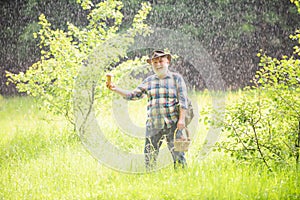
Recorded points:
40,158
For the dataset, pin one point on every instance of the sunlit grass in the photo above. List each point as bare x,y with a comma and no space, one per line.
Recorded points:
44,160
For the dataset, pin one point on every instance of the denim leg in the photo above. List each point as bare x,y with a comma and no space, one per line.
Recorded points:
176,155
152,144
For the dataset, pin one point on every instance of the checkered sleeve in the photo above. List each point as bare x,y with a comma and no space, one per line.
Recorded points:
138,93
182,92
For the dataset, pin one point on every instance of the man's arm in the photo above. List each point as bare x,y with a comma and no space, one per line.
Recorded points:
181,120
138,93
182,98
118,90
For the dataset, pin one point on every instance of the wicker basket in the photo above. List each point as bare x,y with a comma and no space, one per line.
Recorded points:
183,143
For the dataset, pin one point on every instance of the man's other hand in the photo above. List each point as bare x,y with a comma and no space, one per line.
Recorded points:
180,124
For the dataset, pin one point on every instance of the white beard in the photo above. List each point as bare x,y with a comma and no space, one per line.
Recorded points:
162,72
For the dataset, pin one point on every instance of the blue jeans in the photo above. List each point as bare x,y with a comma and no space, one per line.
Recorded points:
153,142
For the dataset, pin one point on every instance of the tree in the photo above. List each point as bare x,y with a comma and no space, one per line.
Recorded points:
52,79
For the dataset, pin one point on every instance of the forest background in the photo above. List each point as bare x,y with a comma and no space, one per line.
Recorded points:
232,31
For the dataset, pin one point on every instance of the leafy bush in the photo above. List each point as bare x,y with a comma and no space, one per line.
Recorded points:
264,124
100,46
297,3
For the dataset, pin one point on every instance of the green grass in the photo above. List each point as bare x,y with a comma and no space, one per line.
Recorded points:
40,158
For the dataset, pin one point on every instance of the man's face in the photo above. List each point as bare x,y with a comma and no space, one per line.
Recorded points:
160,65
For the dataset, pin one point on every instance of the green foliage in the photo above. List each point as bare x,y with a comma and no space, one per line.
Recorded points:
40,160
297,3
224,27
99,45
264,124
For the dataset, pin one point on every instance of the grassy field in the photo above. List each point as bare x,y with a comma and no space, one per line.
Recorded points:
40,158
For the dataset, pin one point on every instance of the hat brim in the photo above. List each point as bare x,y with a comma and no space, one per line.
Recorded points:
149,60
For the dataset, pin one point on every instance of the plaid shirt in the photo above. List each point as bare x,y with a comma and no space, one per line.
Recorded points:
163,97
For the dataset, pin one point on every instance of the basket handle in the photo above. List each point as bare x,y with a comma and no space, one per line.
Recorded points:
186,132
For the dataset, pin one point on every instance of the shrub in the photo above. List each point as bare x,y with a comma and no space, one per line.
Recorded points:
99,45
264,124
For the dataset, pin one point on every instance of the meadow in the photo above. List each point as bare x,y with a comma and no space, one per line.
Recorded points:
42,158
